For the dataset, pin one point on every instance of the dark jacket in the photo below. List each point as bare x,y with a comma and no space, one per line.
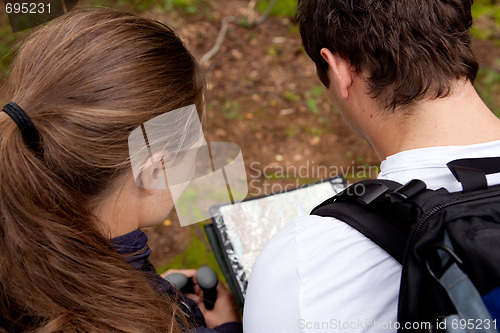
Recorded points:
134,247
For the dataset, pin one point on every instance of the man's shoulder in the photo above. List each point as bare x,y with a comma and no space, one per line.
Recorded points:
309,240
304,229
297,238
314,256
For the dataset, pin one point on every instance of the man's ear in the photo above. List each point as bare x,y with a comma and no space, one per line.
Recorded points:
152,176
340,71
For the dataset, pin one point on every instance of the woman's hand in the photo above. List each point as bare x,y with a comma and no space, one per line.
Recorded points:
225,309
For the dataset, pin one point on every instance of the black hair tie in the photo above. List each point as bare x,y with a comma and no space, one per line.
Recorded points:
29,132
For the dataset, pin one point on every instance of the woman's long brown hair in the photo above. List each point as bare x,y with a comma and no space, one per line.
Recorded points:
86,80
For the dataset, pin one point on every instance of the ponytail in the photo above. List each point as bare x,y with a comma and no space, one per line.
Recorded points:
57,271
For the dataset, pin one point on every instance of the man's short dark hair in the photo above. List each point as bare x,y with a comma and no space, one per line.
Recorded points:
410,49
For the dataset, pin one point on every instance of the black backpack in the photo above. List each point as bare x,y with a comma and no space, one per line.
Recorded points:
448,244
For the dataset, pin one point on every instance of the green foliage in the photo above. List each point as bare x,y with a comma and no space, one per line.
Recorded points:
128,5
488,86
231,109
312,104
486,8
272,51
315,131
292,96
196,195
187,6
244,22
196,254
7,42
312,97
486,15
316,91
284,8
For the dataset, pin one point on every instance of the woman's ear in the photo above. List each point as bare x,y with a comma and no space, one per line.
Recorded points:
340,72
153,176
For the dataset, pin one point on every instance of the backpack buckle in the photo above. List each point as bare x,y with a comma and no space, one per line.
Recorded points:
370,192
408,190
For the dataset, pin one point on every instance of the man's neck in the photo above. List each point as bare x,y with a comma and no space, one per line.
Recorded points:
459,119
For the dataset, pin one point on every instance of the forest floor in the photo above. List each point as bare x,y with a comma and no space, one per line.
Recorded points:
264,95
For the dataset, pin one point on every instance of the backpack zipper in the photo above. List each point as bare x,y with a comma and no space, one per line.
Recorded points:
413,236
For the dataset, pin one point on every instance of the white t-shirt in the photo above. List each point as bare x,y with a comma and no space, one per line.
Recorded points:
319,274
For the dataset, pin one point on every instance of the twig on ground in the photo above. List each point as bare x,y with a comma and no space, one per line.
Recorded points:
223,31
220,39
266,13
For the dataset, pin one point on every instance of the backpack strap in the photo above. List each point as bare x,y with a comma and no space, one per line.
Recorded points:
357,206
368,206
461,291
471,172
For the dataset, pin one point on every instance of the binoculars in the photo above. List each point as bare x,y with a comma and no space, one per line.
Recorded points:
206,279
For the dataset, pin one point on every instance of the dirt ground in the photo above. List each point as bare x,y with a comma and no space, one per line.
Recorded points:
264,95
